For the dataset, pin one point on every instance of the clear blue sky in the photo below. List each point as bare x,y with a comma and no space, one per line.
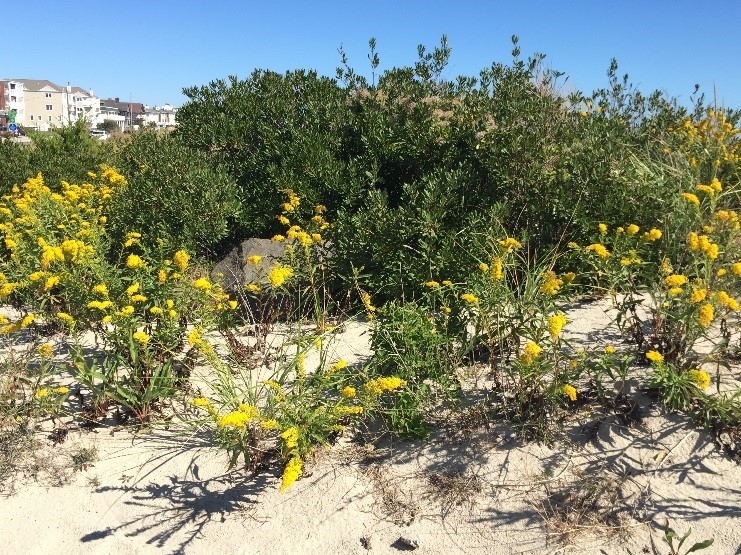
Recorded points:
151,49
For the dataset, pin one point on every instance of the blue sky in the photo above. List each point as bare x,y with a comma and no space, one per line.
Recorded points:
150,49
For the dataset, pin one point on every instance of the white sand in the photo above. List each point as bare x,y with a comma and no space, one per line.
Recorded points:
470,488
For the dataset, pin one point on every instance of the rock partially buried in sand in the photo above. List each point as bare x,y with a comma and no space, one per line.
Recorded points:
234,271
406,543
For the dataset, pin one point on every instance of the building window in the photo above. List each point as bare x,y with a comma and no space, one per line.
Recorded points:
48,95
12,99
49,118
12,86
49,107
31,118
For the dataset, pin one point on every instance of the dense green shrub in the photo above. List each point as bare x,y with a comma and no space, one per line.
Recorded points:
65,153
174,194
273,132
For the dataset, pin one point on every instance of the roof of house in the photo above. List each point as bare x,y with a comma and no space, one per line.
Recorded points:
37,84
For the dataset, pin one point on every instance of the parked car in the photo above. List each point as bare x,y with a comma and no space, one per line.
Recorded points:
99,134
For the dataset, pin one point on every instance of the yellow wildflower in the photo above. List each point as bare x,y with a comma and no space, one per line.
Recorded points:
736,269
469,298
252,288
632,229
484,267
140,337
61,390
133,262
610,349
270,424
675,280
497,269
291,473
706,314
432,284
348,392
555,325
603,229
234,419
691,198
510,244
101,289
41,393
278,275
379,385
66,318
202,284
446,309
51,282
254,259
278,238
128,310
46,350
569,391
551,283
655,356
599,249
652,235
707,189
181,259
700,377
290,437
530,353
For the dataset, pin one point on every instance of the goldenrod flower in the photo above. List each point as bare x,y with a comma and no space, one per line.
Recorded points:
339,365
252,288
484,267
202,284
141,337
291,473
290,437
510,244
603,229
254,259
599,249
610,349
700,377
691,198
46,350
707,189
530,353
66,318
721,272
101,289
698,295
379,385
133,262
497,269
447,283
655,356
278,275
470,298
131,289
61,390
555,325
675,291
551,283
41,393
51,282
569,391
271,424
432,284
446,309
632,229
675,280
234,419
128,310
181,259
348,392
736,269
652,235
282,219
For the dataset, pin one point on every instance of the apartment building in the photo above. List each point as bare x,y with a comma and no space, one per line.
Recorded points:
42,105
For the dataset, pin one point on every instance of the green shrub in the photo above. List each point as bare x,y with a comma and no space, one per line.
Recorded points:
175,194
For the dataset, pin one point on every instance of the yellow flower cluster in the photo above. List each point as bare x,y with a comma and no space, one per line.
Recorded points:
290,437
279,274
378,385
599,249
655,356
724,299
702,243
556,324
700,377
706,314
181,259
509,245
675,280
530,353
291,473
470,298
652,235
370,309
569,391
551,283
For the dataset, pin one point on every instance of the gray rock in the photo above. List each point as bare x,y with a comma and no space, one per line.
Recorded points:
234,272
